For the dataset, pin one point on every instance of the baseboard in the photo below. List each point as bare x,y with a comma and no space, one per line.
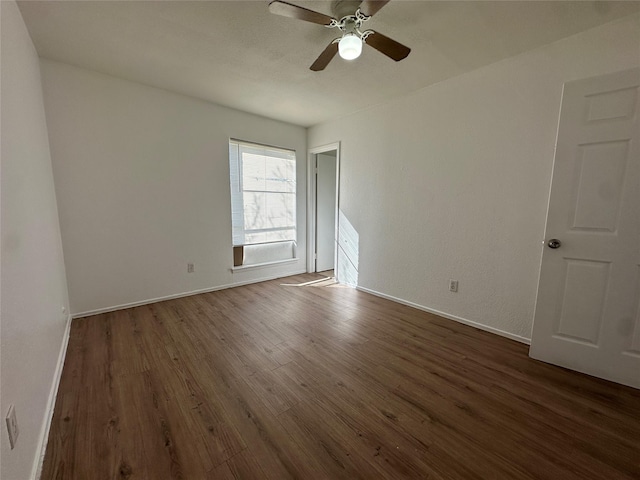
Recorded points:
51,403
455,318
183,294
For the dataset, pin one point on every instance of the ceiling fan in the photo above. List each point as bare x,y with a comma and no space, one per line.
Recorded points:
349,45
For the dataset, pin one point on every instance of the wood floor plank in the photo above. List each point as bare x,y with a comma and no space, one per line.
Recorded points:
309,382
145,446
275,395
221,472
326,443
273,449
494,378
244,466
128,356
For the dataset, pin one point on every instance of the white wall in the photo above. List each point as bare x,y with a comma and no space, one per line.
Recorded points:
452,182
33,286
142,178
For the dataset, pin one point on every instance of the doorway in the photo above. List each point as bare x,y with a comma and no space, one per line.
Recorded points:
323,208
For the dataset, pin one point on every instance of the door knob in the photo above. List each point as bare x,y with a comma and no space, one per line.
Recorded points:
554,243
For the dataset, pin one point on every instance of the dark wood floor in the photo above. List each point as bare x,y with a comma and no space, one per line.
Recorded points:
271,381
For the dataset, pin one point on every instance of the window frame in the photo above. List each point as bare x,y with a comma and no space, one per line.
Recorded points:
238,192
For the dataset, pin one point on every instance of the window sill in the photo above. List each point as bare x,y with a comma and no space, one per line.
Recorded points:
257,266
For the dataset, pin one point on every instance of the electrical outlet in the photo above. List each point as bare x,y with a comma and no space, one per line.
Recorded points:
12,426
453,285
190,268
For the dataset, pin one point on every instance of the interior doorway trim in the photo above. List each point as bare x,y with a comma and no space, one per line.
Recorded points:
311,201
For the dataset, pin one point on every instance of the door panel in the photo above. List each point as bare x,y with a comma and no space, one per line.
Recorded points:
587,313
580,318
618,104
601,174
325,212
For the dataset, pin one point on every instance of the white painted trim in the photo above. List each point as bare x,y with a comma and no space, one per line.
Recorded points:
36,470
471,323
183,294
256,266
311,203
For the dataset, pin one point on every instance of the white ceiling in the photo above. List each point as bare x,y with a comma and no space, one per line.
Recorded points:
236,53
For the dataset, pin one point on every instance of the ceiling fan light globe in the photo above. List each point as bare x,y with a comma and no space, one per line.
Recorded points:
350,46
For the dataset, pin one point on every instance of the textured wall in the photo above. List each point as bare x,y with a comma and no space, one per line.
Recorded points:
33,290
142,178
452,182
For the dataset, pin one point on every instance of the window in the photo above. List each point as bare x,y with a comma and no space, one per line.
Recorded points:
263,200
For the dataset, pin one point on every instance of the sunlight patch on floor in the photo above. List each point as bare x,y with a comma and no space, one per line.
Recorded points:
320,282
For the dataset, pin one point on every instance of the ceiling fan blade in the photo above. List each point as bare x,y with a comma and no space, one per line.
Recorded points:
388,46
289,10
325,57
371,7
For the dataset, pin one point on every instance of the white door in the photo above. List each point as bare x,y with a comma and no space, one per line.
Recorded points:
325,211
587,314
